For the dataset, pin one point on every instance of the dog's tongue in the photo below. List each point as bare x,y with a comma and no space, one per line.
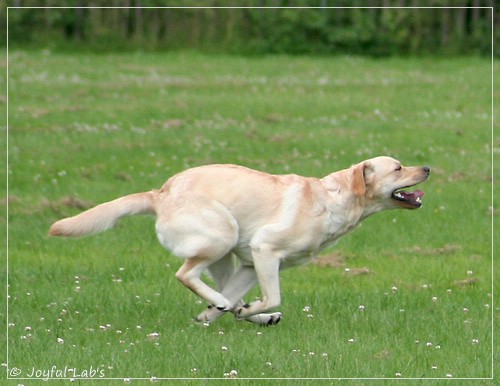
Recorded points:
413,197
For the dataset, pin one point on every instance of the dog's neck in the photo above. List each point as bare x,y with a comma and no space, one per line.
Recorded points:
336,184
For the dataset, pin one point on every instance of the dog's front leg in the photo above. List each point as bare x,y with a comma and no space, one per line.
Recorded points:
267,266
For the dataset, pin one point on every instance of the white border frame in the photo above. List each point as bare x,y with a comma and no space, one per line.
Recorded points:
8,369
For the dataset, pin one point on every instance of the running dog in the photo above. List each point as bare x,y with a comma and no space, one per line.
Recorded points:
209,215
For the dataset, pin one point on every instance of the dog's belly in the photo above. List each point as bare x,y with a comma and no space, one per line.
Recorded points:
298,252
295,259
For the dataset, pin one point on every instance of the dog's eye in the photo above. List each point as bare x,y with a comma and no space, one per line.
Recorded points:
398,168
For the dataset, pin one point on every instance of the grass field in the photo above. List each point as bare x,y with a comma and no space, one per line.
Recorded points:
87,128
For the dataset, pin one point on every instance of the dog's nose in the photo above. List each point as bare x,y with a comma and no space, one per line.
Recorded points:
427,169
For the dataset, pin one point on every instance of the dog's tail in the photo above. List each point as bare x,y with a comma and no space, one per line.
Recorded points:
104,216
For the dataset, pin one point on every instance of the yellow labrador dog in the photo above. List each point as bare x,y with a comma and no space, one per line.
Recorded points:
208,214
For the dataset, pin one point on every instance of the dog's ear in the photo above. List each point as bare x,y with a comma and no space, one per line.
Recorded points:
358,184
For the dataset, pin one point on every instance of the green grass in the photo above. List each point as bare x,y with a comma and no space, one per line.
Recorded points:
94,127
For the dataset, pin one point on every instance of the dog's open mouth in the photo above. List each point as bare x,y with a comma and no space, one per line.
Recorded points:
410,199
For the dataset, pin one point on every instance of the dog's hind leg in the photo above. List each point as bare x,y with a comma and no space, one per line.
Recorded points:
202,238
234,288
189,275
222,270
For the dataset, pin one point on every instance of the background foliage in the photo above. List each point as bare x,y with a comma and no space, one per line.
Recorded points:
369,31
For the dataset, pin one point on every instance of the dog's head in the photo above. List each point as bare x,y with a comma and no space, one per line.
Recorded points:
382,181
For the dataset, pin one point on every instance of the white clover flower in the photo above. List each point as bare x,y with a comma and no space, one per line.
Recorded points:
231,374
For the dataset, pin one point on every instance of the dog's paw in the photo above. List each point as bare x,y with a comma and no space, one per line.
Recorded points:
274,319
238,313
220,308
263,319
266,319
211,314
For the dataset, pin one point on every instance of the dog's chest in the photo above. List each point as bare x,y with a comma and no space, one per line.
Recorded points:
340,223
